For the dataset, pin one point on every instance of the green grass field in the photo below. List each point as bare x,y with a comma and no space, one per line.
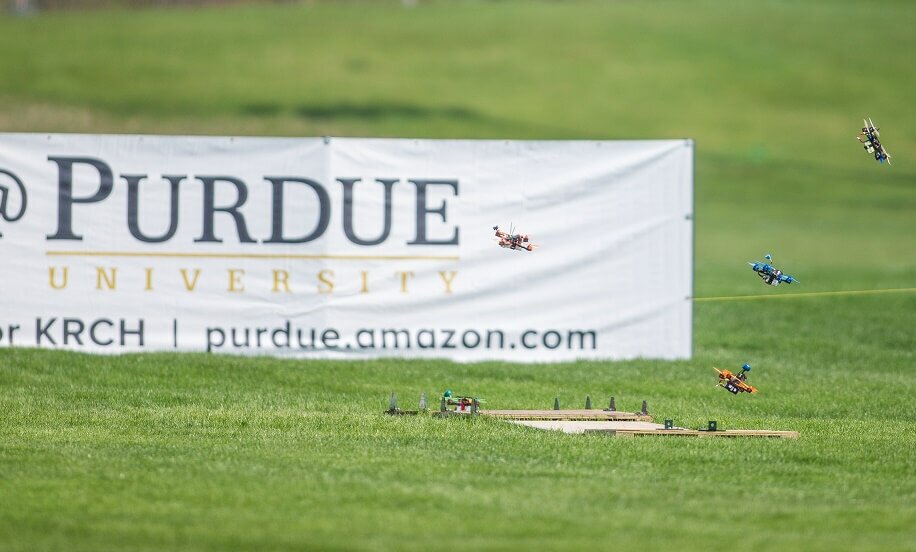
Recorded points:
198,452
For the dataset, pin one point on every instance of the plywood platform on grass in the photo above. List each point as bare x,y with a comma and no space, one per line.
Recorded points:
583,414
629,428
587,426
681,432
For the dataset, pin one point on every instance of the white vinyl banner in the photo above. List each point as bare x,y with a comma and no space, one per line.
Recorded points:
346,248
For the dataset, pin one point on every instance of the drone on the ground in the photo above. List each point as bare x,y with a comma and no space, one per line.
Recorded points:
770,274
511,240
735,383
460,405
870,140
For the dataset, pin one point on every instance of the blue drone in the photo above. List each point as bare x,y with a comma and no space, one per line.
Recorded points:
770,274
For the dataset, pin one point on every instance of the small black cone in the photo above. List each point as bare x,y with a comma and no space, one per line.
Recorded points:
645,408
588,402
612,407
556,403
393,402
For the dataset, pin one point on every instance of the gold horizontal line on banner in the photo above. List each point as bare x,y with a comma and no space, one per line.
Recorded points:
809,294
182,255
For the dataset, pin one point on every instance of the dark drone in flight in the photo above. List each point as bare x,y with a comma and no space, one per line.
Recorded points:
871,141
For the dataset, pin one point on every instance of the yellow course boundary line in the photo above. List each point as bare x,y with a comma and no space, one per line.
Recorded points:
809,294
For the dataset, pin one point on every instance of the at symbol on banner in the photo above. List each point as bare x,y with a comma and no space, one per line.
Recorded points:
5,209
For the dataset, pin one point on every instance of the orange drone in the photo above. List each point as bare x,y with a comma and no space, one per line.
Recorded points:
508,240
735,383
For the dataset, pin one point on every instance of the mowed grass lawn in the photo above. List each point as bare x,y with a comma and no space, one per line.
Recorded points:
198,452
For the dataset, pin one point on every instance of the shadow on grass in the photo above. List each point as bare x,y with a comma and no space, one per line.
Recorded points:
372,111
502,127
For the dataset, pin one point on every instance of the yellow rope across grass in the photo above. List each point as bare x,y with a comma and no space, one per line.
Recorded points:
809,294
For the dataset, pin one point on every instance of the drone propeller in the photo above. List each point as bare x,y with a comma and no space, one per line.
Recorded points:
874,128
768,257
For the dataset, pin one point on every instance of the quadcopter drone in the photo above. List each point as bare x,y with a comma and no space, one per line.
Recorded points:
870,140
735,383
770,274
511,240
461,405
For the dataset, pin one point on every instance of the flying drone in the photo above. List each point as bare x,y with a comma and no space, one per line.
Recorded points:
770,274
870,139
735,383
511,240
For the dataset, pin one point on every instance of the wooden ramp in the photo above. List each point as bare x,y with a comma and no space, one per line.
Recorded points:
583,414
626,428
682,432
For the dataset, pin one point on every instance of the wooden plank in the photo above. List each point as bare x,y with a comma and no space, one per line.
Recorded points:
583,426
696,433
582,414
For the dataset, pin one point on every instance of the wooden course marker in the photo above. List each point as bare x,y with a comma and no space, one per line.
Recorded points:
581,414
